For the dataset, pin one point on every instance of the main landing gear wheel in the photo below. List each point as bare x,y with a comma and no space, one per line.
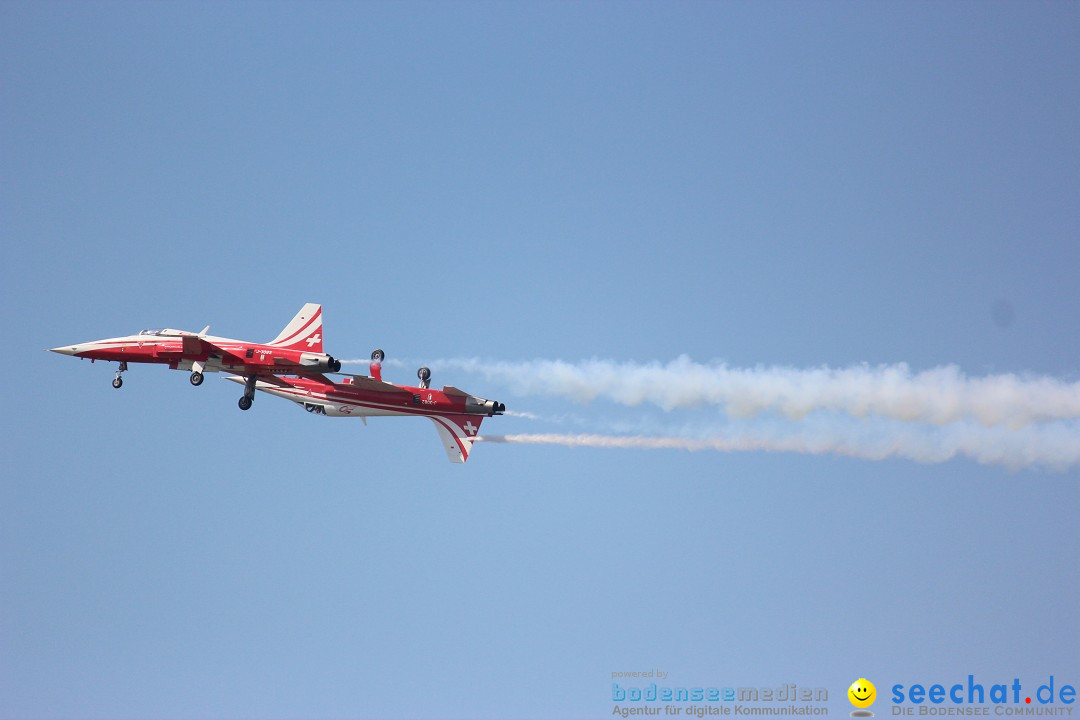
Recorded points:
377,355
196,378
249,393
425,377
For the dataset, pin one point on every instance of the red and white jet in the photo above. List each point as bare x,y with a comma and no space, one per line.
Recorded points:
297,350
456,414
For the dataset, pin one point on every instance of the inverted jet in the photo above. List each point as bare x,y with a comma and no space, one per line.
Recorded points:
456,414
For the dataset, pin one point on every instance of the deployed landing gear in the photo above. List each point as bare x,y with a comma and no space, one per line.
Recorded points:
118,381
249,393
196,378
425,377
375,368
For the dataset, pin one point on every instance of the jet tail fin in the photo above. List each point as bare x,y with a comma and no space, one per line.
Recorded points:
304,332
456,433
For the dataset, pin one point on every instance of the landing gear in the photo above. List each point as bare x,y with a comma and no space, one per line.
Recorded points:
196,378
425,377
249,393
375,368
118,381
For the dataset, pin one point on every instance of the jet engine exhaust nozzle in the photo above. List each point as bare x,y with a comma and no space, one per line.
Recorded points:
480,406
320,361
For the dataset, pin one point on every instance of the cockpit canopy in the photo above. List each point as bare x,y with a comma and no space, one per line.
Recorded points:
165,332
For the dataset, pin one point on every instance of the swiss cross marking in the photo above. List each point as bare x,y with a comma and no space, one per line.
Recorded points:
470,428
313,339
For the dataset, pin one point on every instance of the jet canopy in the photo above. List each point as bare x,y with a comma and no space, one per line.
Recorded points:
164,332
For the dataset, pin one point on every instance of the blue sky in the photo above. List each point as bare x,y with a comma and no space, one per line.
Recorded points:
749,184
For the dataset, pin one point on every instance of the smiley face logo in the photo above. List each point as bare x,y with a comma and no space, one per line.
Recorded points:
862,693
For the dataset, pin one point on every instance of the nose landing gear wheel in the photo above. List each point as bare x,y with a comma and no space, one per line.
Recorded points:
118,381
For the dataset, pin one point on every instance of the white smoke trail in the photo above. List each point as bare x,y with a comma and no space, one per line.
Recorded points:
526,415
387,362
938,396
1055,447
863,411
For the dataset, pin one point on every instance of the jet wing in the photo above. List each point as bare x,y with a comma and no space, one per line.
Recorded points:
193,347
363,382
264,379
314,376
308,372
456,433
271,379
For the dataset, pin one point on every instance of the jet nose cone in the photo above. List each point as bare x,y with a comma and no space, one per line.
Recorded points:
70,350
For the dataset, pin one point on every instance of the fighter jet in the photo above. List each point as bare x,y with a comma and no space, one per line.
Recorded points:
456,414
297,350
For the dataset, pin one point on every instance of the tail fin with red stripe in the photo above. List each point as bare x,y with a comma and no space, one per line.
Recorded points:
304,332
457,433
